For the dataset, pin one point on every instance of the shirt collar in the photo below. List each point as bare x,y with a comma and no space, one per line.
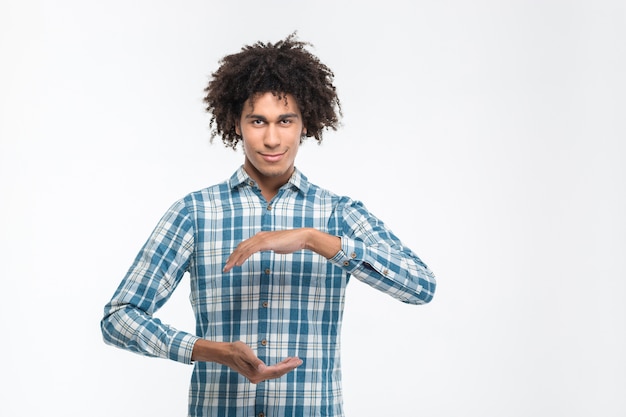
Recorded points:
297,180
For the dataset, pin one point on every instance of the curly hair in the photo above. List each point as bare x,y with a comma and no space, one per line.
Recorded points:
285,67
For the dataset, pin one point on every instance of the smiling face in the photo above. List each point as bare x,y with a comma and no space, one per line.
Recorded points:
271,129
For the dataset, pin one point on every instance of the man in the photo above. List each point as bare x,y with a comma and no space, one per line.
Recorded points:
268,253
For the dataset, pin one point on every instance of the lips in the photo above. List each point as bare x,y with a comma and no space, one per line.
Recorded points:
272,157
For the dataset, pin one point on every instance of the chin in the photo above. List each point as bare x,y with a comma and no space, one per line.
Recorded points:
277,172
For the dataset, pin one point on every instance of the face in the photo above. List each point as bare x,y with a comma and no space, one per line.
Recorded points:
271,130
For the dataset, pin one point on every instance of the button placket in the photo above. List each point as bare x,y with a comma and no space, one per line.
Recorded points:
263,309
263,330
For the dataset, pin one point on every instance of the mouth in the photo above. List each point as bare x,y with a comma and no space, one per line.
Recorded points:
275,157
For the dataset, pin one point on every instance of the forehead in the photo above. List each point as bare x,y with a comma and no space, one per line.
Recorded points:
270,102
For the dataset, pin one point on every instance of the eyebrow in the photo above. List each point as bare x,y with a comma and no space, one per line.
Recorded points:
263,118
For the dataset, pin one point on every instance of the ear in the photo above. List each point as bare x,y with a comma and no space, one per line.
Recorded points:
237,129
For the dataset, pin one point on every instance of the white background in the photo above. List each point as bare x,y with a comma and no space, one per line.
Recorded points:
489,135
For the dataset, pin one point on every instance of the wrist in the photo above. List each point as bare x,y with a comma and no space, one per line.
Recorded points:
322,243
209,351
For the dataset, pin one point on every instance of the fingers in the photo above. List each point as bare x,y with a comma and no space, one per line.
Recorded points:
237,258
241,253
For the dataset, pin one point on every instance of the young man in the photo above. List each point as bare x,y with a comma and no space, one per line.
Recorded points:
268,253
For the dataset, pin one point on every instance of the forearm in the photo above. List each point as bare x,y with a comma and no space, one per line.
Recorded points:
209,351
397,272
323,243
131,329
375,255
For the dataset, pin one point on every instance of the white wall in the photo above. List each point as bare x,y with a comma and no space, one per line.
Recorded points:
489,135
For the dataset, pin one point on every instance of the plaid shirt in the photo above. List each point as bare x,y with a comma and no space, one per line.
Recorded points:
280,305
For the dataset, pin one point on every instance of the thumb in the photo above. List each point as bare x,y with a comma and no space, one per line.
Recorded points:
261,366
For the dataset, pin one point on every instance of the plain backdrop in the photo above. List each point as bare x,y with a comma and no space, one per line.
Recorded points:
489,135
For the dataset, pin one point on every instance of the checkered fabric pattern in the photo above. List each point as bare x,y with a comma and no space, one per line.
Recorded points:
280,305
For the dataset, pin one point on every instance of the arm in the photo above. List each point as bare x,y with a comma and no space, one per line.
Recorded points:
285,241
128,320
367,249
373,254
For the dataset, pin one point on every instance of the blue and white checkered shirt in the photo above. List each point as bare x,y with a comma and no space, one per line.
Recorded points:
280,305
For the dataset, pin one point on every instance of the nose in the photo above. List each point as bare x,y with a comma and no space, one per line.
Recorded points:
272,136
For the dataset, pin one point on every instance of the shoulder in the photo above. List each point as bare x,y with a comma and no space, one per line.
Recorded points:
208,196
201,200
339,202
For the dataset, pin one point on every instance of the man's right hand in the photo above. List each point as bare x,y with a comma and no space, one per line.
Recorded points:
239,357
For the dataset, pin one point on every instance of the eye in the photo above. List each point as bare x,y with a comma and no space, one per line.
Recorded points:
286,121
257,122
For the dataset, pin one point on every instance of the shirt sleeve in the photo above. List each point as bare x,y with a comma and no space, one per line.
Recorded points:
128,320
371,253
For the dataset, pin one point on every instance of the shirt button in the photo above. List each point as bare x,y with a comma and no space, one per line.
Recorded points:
269,206
264,342
265,304
385,271
346,263
251,183
267,271
353,255
261,414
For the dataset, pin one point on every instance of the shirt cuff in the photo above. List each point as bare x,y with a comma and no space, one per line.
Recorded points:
350,256
182,347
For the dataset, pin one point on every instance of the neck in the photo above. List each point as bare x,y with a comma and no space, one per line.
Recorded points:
268,184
